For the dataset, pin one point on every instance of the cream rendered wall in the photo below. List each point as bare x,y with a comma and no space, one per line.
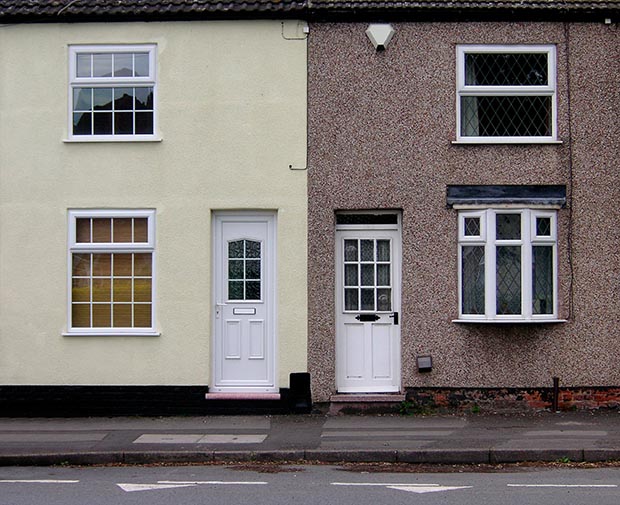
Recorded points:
231,113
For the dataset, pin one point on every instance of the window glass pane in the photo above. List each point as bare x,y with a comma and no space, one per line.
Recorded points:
82,124
543,226
144,98
384,299
123,99
235,269
122,229
508,226
142,316
122,290
80,315
383,250
368,275
83,67
102,123
142,289
144,123
122,264
252,249
102,65
350,299
141,64
472,279
82,99
252,290
542,279
367,250
122,315
235,290
506,69
81,264
508,279
140,229
235,249
252,269
101,315
383,275
102,230
80,290
368,299
472,226
123,123
123,65
102,264
82,230
350,250
102,98
350,275
143,264
506,116
102,290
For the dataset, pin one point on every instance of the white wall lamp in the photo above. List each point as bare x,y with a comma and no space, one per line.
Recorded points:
380,35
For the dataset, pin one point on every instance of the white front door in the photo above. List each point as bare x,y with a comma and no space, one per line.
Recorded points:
368,258
244,295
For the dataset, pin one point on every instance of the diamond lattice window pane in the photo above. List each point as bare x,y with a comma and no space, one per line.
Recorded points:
508,226
542,279
384,299
472,280
350,250
368,250
472,226
368,299
508,280
543,226
368,275
351,301
350,275
506,116
506,69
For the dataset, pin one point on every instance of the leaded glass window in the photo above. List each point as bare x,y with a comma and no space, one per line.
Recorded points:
506,92
244,270
507,264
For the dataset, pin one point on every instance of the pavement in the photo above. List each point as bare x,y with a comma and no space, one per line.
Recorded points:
432,439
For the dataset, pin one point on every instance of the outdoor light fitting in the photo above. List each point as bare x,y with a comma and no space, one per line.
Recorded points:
380,35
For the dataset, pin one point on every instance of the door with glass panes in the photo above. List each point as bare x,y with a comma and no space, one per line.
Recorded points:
368,263
244,323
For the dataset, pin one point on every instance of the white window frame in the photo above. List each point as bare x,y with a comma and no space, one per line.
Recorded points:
115,82
110,247
487,239
463,90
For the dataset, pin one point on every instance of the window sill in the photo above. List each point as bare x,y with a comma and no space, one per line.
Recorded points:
86,139
509,321
505,141
111,334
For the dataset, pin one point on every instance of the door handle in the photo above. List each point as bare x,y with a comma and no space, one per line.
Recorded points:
218,309
395,317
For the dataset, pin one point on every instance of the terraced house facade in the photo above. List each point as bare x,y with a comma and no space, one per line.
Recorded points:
380,201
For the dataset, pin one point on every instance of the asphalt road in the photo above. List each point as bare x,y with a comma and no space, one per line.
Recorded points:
302,485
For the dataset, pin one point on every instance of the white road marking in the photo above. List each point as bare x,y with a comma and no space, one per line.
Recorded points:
38,481
128,488
213,482
562,485
427,489
381,484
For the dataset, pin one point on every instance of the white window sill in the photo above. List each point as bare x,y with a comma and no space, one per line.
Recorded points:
111,334
505,141
88,139
509,321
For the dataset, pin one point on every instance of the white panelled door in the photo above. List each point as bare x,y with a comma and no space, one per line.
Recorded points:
244,294
368,263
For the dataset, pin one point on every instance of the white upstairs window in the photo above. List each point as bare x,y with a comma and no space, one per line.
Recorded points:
112,92
506,94
508,265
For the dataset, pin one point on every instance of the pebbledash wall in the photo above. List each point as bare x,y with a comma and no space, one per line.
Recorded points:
381,132
231,114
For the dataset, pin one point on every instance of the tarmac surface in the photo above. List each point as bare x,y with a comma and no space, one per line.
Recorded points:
471,439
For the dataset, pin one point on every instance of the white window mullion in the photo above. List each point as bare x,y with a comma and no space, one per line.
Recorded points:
526,268
490,270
